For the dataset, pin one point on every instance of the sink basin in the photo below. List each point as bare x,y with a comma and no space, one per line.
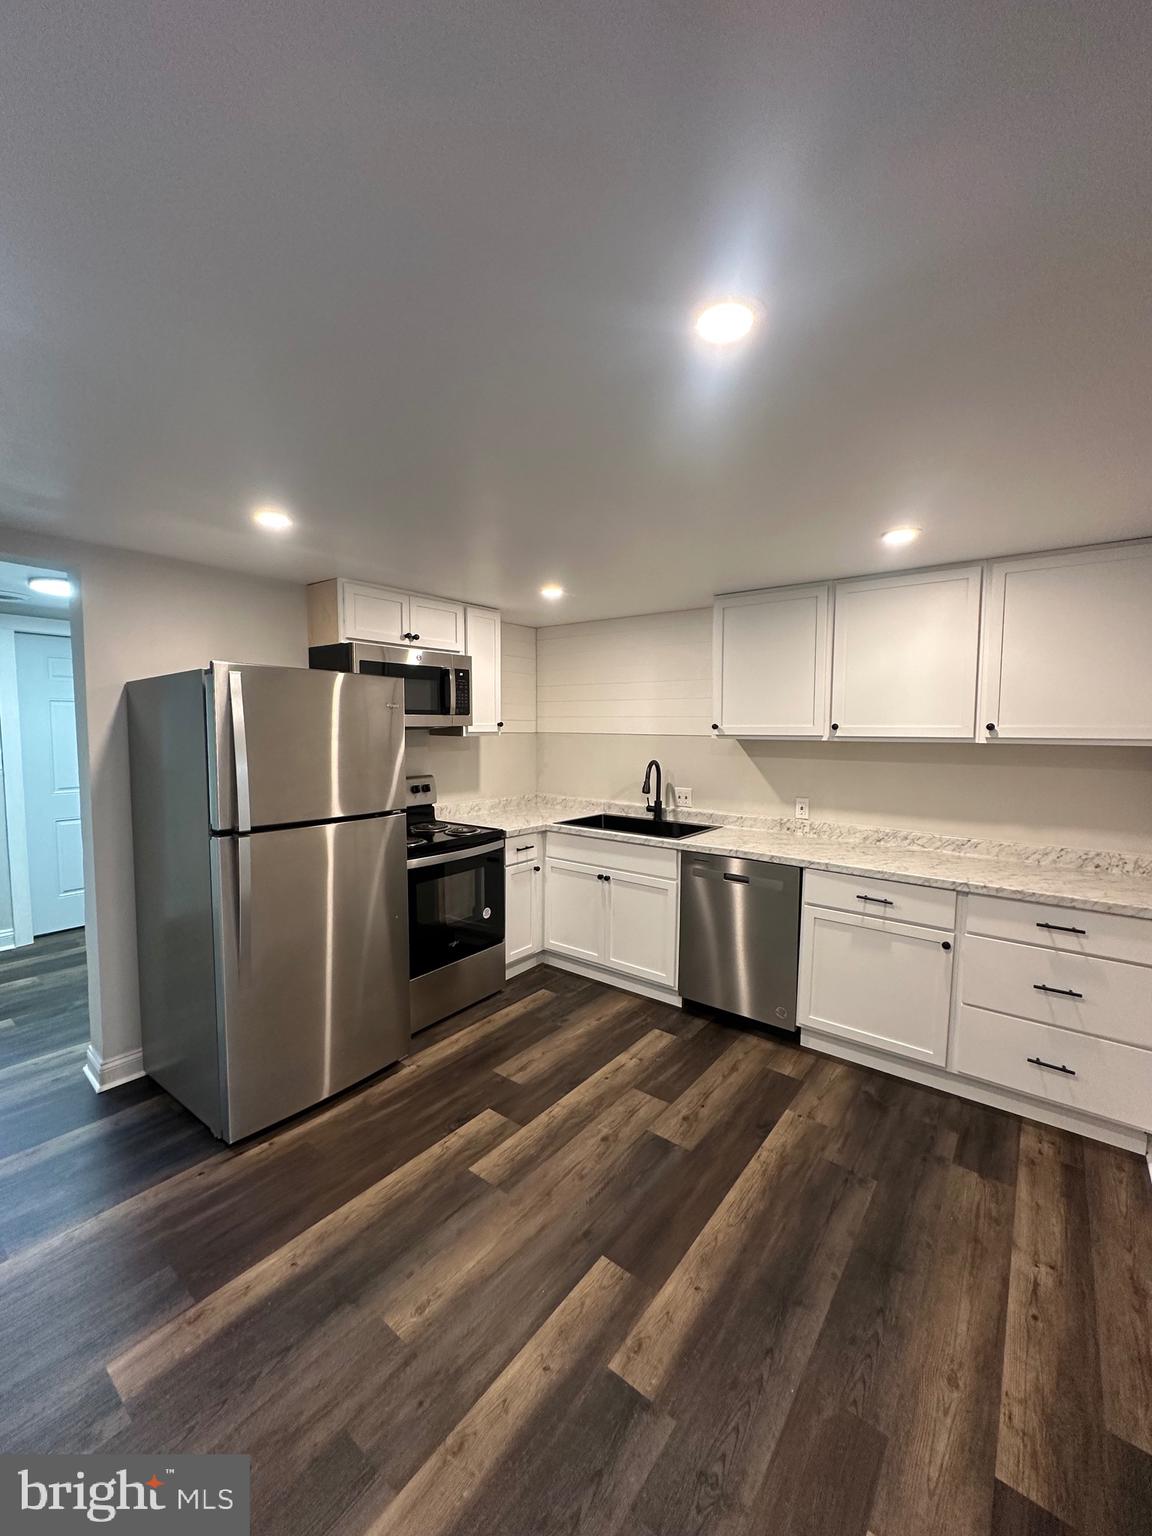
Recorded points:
644,825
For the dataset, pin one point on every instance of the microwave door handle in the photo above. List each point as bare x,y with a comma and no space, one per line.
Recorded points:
240,753
451,693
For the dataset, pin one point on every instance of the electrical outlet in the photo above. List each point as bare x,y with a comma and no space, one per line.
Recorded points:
683,796
802,810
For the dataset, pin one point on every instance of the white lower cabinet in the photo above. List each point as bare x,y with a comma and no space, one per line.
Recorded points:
574,911
524,911
605,914
642,921
882,984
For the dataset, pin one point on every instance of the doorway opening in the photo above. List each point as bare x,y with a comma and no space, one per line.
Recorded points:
42,938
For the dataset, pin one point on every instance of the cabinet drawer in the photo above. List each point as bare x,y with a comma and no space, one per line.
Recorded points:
922,904
1099,997
1061,928
610,853
523,849
1102,1078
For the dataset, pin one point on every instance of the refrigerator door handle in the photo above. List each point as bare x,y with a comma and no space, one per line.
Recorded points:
243,905
240,752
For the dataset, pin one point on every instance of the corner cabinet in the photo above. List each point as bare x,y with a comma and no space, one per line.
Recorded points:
1067,638
904,655
770,663
482,643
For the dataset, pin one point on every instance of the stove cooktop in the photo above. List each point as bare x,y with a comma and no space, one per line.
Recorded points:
427,835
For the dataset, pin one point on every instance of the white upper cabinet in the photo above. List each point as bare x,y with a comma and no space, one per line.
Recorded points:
436,623
341,610
770,662
482,637
904,655
374,613
1067,641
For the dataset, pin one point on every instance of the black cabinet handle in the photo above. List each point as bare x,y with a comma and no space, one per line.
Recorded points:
535,869
881,901
991,726
945,945
1060,928
1051,1066
608,878
835,727
499,725
715,727
524,847
604,877
413,637
737,879
1038,986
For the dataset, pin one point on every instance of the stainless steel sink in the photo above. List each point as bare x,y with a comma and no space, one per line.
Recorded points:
646,826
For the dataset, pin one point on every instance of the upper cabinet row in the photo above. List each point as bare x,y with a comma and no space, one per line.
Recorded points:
341,610
1042,648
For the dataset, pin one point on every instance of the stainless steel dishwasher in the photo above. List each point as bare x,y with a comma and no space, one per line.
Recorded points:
740,936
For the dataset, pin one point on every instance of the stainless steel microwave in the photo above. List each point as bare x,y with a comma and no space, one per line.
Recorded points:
437,684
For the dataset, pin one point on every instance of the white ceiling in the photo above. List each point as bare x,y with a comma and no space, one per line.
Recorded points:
424,272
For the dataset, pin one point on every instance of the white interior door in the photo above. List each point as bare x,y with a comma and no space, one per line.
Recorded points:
51,781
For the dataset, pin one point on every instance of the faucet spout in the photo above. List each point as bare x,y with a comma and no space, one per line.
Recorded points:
657,810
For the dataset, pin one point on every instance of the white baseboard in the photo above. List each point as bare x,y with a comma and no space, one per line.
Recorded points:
983,1093
110,1071
7,938
609,978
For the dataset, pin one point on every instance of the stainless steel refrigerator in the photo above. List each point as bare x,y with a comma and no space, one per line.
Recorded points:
271,886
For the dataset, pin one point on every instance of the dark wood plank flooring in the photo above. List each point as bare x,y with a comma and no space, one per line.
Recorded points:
584,1263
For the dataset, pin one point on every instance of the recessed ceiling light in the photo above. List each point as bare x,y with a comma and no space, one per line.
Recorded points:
51,586
273,518
726,322
552,591
901,535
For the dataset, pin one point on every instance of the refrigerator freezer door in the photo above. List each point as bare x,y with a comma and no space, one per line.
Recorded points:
312,962
290,745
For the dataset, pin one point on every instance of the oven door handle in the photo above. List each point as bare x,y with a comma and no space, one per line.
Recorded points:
453,858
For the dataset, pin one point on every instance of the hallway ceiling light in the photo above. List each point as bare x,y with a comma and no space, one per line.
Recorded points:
726,322
274,518
51,586
551,591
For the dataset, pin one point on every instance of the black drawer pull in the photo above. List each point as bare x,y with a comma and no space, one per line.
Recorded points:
737,879
881,901
524,847
1060,928
535,869
1038,986
1051,1066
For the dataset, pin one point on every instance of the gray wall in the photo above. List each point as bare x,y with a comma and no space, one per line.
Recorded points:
139,616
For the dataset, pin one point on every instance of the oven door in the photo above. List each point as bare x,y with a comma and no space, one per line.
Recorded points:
455,906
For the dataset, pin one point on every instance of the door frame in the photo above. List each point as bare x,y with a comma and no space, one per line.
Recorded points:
11,753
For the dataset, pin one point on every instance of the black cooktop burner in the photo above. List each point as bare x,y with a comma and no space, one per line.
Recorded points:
426,833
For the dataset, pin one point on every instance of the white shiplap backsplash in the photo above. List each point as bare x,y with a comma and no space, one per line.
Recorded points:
651,674
518,677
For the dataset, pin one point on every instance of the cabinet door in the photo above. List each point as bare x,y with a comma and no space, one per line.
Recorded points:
642,927
436,623
375,613
883,985
904,652
1066,643
770,662
482,632
574,900
521,898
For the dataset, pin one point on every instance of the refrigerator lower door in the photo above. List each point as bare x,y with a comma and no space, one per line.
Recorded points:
312,964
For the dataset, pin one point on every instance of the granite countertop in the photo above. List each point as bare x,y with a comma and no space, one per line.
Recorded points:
1070,877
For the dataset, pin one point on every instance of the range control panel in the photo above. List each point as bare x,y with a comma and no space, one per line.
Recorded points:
421,789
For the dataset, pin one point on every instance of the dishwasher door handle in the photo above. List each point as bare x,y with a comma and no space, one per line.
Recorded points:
737,879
